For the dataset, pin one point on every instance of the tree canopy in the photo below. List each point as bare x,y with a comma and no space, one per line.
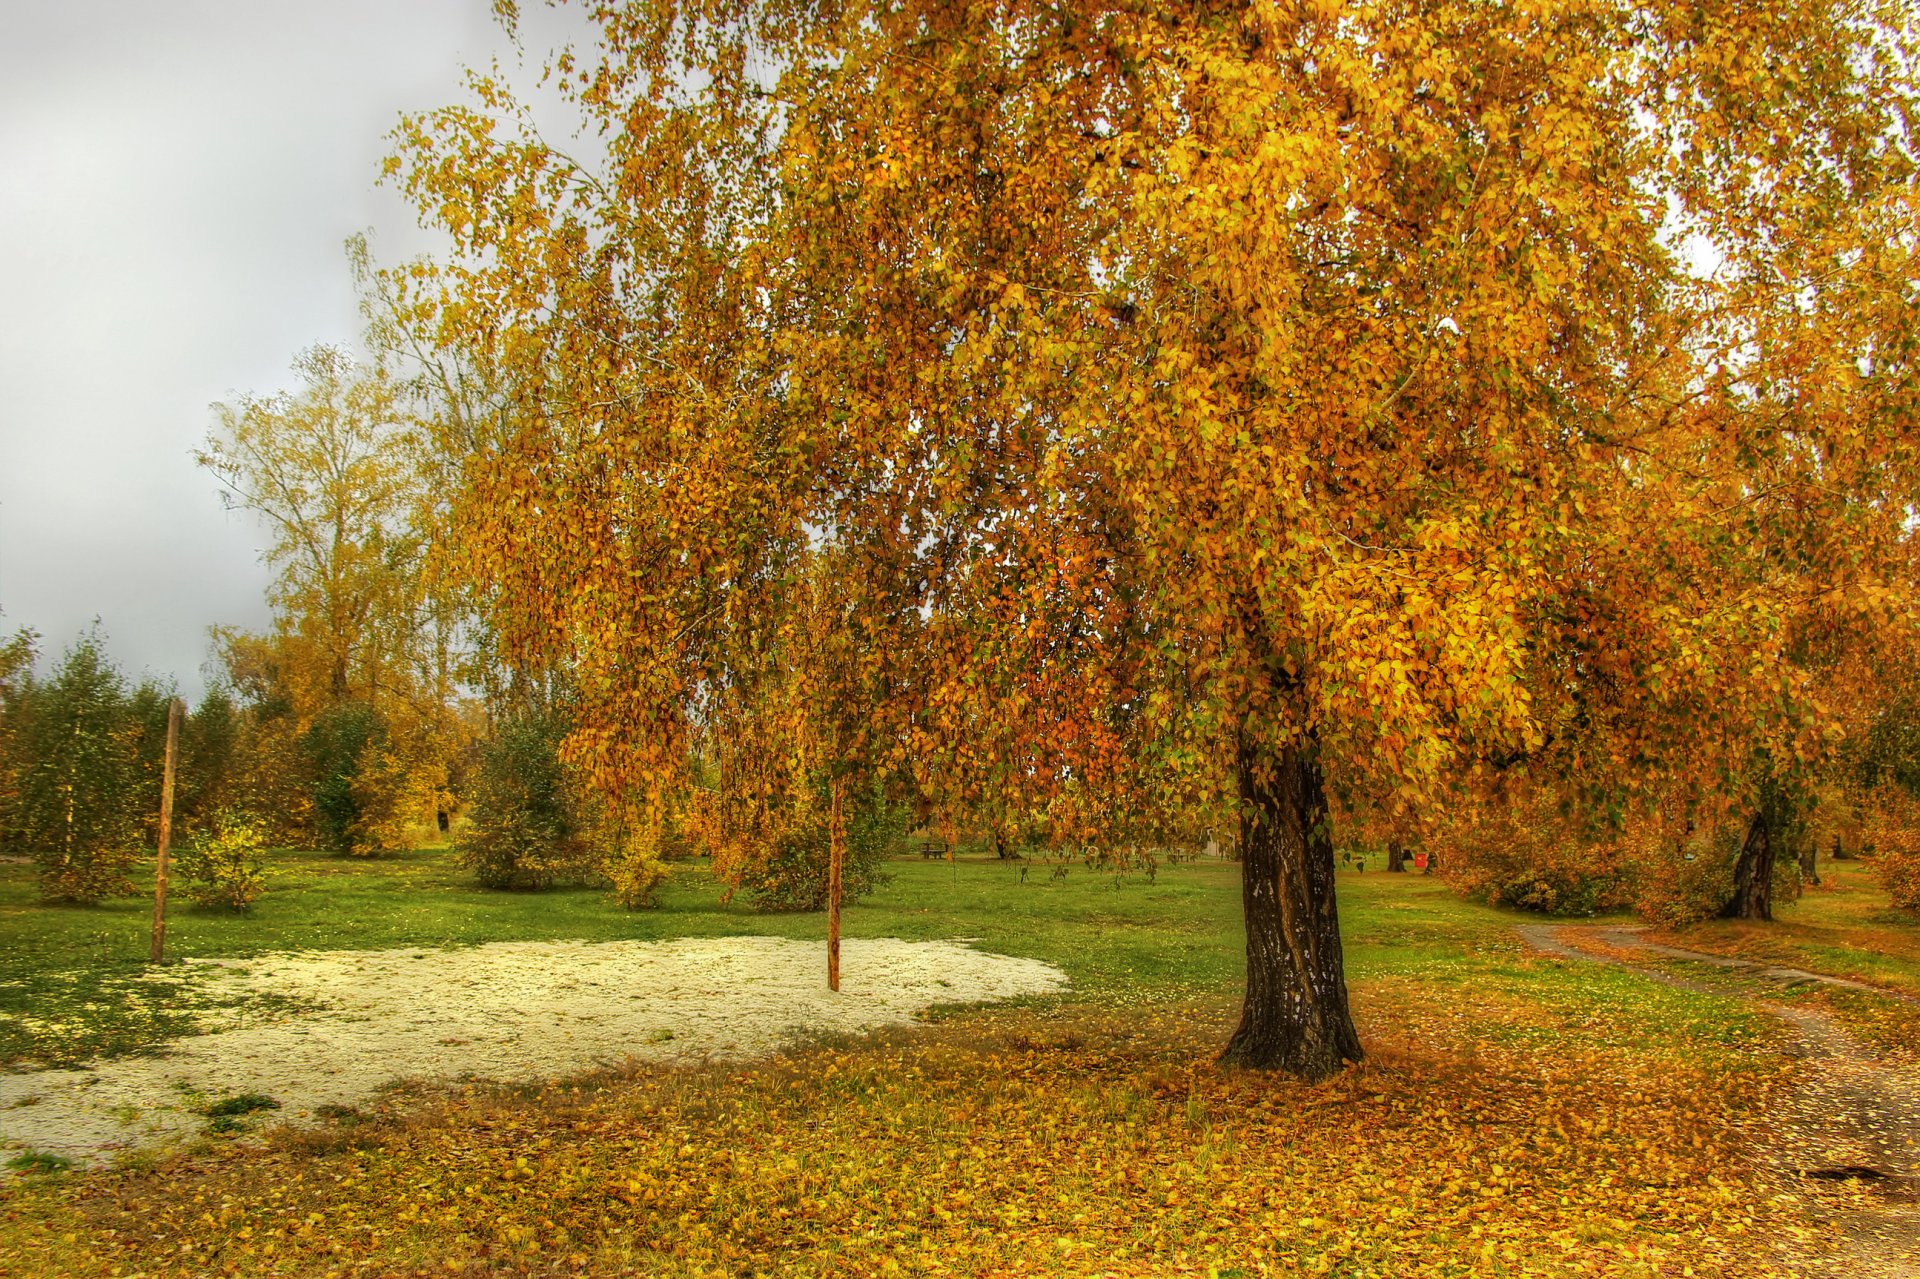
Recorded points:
1197,403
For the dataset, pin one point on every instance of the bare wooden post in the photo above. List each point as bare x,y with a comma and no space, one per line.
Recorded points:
836,857
166,834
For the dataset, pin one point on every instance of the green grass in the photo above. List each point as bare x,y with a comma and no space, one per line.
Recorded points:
1619,1104
39,1163
1847,927
74,985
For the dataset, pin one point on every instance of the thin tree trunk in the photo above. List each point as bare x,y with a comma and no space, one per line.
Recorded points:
1396,856
1295,1017
836,859
157,947
1810,862
1753,874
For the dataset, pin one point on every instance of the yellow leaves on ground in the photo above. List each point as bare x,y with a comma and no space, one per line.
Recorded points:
1485,1136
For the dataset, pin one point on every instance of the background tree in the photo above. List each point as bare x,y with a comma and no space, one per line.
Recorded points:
332,470
354,796
16,677
79,813
209,764
337,471
795,809
270,779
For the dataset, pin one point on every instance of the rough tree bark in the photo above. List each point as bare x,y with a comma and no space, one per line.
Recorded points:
1295,1017
1396,856
1753,874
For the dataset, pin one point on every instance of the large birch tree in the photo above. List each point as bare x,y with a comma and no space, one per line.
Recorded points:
1198,398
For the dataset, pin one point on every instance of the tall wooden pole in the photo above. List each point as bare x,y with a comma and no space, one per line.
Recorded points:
166,834
836,857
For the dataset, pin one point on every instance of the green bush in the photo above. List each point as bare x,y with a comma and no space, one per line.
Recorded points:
226,865
79,808
793,875
530,826
345,751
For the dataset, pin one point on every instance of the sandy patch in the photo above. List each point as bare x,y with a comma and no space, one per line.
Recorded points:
510,1011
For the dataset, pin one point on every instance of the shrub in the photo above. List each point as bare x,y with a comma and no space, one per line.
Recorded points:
793,874
225,866
529,825
1524,852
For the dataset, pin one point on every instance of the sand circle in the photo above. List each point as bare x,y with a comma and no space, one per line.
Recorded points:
507,1011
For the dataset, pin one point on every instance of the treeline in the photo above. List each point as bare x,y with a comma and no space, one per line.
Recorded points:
377,712
82,755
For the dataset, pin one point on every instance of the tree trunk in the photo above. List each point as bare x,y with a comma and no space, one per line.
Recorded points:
1753,874
836,859
1295,1017
1810,862
1396,855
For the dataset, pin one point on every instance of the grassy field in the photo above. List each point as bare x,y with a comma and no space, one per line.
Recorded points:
72,986
1517,1115
1845,927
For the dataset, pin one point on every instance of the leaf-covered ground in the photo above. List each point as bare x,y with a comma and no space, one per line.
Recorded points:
1845,927
1518,1115
1488,1134
1842,1137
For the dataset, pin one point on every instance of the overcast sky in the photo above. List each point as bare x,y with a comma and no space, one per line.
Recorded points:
176,183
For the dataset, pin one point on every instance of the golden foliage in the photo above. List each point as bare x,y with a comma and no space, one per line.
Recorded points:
1891,830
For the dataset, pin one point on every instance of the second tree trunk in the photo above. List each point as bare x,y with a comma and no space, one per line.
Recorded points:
1753,874
1295,1017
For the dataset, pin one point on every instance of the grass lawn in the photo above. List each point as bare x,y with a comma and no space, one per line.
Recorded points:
1517,1115
1845,927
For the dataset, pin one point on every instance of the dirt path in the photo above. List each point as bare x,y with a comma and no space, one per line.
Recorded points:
507,1011
1846,1137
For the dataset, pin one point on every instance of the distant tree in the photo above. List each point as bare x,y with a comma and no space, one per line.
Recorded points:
271,776
362,617
80,809
345,749
333,469
16,677
207,782
147,708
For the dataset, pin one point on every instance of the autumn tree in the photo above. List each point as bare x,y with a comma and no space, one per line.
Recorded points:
792,799
331,470
1207,399
17,654
337,472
